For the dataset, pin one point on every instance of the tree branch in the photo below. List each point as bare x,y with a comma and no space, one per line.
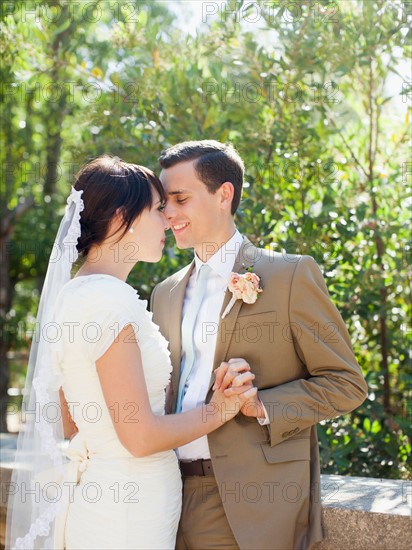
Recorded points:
355,158
13,216
370,102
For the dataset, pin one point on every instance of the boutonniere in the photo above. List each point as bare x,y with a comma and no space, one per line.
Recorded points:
244,287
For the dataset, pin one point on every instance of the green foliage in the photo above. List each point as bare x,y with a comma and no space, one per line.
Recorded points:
307,98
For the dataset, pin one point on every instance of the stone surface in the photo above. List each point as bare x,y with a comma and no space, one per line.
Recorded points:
346,529
360,513
385,496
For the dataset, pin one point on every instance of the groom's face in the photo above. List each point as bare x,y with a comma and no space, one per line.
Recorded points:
194,214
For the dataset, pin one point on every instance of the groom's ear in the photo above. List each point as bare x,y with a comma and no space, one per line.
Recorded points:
227,192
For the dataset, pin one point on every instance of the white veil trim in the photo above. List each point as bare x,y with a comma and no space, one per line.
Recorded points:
35,498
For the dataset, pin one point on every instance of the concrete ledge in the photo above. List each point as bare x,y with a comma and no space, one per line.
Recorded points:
358,513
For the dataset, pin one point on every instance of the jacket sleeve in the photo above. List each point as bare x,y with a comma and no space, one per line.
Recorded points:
335,384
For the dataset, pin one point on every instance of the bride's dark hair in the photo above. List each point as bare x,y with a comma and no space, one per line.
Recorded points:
109,184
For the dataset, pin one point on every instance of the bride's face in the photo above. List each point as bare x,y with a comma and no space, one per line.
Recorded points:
146,238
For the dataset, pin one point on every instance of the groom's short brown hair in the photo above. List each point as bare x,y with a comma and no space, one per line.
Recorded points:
216,163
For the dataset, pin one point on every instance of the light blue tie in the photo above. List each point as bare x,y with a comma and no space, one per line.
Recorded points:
188,327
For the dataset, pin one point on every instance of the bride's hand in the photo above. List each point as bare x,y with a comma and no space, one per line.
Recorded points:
230,400
231,376
229,405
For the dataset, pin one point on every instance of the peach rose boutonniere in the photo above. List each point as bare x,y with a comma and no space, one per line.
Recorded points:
244,287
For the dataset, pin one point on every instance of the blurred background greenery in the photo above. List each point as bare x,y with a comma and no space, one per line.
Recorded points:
316,97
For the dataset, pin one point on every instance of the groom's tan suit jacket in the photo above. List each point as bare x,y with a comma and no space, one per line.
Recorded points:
298,347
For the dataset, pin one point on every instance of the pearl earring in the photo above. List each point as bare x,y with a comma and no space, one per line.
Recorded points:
131,230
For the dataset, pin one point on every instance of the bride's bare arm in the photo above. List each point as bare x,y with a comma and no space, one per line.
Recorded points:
139,430
69,426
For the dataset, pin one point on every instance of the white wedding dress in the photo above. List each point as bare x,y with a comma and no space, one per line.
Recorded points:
119,501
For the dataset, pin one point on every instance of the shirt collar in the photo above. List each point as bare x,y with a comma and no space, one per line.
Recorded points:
223,260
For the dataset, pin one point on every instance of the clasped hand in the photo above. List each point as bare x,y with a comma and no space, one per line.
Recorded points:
235,379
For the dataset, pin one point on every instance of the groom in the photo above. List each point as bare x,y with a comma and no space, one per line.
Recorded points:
254,483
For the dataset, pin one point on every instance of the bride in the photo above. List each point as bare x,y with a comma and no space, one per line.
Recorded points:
97,375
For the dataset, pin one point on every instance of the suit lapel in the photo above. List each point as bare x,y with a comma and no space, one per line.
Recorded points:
176,298
246,258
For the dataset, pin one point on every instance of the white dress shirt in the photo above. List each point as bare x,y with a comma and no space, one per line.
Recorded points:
205,335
